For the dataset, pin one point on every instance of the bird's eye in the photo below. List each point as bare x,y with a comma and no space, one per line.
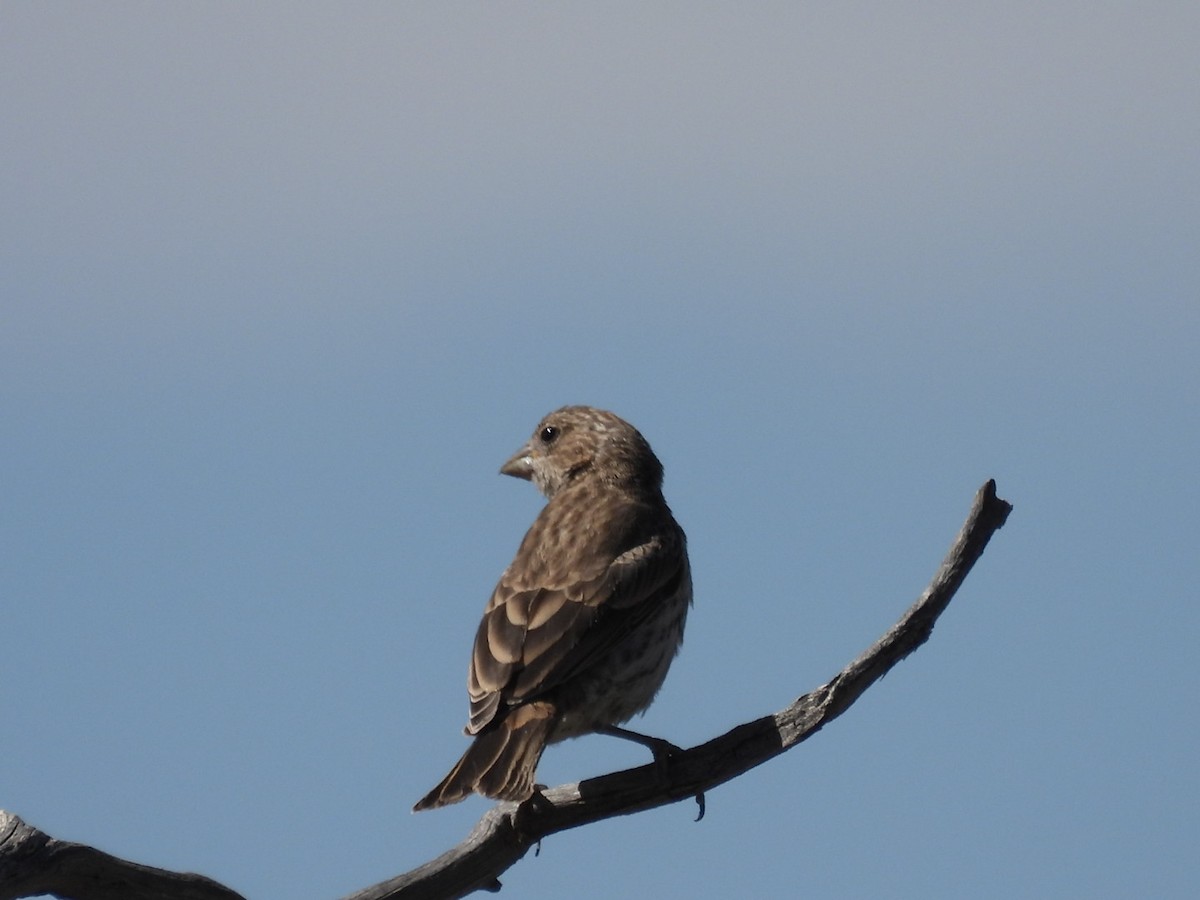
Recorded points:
549,433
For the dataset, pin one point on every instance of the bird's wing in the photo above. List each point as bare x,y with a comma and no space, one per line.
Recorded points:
532,638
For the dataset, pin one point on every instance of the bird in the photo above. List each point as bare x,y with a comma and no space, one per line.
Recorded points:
583,625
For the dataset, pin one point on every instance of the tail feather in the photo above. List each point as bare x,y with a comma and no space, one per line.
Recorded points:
501,761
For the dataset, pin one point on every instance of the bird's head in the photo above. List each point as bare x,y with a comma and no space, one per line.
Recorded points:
578,442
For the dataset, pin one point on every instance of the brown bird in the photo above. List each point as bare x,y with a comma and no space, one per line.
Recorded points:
580,631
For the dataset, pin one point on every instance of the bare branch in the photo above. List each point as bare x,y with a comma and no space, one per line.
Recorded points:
32,863
507,831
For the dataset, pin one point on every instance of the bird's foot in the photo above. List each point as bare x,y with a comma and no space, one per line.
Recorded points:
662,750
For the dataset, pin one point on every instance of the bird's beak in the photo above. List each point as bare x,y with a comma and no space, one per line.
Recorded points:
520,466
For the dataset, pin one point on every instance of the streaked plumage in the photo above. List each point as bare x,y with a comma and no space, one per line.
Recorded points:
583,625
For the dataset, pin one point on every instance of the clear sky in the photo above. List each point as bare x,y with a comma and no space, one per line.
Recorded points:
281,286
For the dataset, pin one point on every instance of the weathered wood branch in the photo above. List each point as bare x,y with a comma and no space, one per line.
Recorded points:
32,863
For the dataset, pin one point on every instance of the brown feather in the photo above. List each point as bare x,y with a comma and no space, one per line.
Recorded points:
500,763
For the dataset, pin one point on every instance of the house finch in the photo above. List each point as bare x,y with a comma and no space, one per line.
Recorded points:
580,631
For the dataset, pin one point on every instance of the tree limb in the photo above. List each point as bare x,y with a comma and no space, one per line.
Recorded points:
32,863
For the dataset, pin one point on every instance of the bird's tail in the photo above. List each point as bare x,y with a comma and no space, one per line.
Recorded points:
501,761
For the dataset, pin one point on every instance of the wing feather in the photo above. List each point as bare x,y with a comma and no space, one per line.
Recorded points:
549,619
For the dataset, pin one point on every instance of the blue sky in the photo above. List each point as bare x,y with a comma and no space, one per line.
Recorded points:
282,286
